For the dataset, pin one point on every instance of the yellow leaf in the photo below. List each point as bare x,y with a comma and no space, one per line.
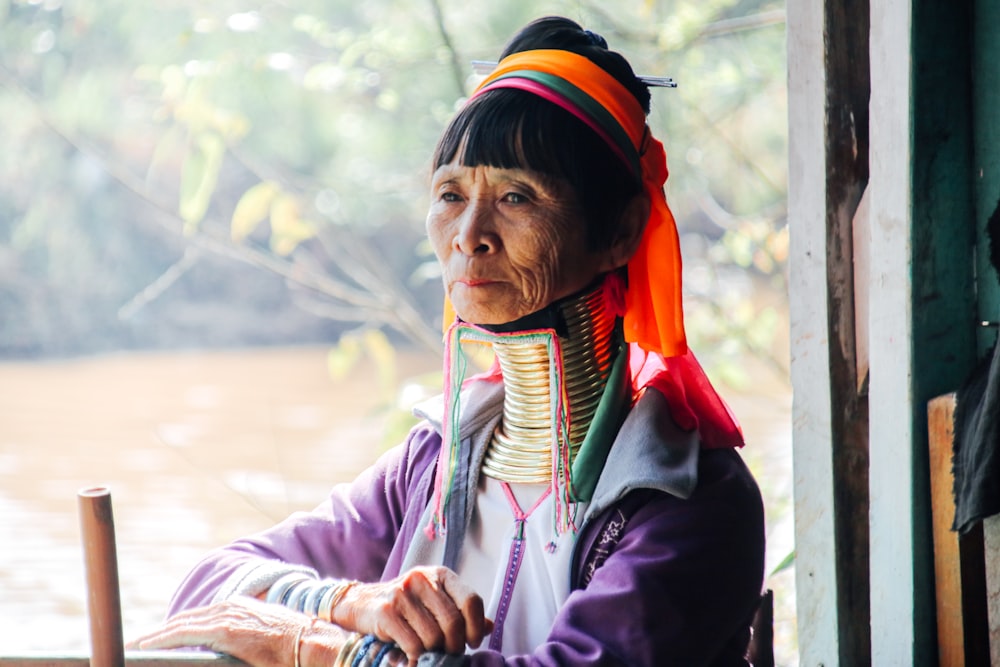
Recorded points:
284,212
174,82
383,354
252,208
283,246
288,229
199,176
342,358
230,124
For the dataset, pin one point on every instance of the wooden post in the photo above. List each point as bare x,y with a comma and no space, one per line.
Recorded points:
959,573
816,581
103,598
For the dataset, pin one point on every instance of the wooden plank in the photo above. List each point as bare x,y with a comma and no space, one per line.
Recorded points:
847,173
947,562
812,442
991,541
958,559
894,636
862,233
132,659
947,565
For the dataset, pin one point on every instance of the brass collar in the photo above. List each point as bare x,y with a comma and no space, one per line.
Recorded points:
521,447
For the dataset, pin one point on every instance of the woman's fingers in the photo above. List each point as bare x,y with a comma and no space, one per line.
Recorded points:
444,596
258,633
470,607
455,606
393,625
424,609
417,612
197,627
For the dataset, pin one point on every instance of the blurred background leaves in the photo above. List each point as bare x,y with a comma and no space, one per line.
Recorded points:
188,174
182,174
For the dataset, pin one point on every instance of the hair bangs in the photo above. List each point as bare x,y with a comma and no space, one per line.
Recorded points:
513,129
509,129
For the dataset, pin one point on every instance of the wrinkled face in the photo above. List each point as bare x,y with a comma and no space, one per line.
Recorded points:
510,241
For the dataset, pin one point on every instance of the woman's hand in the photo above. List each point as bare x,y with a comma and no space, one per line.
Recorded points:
259,634
424,609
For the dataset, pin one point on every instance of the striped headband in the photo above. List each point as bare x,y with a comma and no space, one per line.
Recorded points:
654,315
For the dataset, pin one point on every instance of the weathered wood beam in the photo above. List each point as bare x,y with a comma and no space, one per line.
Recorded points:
848,89
812,458
132,659
890,389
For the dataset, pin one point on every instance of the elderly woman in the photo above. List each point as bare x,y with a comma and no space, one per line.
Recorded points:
580,503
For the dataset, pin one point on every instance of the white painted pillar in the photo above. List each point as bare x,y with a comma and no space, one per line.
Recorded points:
812,451
890,395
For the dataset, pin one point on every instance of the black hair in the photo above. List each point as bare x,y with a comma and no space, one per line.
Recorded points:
509,128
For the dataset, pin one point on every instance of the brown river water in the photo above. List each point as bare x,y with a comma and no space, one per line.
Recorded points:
199,448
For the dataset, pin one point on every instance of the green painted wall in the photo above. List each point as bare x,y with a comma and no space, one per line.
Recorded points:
944,214
986,171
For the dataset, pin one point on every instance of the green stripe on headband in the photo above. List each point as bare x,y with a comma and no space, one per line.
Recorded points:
588,105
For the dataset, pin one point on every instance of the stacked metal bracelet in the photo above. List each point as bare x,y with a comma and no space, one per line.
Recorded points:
315,597
365,651
318,598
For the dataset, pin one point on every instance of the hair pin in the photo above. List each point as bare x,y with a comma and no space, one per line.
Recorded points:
484,67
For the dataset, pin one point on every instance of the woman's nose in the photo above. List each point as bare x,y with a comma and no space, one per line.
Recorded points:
476,234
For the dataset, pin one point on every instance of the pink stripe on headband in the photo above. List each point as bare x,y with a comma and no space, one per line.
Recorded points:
559,100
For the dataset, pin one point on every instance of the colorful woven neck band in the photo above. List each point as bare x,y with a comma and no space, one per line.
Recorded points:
654,316
564,94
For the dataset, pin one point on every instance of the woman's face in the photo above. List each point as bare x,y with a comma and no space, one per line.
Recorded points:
510,241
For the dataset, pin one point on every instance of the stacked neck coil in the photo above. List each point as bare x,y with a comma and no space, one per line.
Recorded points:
521,448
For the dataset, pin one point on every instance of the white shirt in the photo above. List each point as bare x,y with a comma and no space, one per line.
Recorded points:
543,579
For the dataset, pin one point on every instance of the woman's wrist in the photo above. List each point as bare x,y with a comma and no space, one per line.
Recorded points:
321,644
318,598
330,602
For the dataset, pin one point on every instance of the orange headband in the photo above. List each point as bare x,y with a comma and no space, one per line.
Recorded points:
654,316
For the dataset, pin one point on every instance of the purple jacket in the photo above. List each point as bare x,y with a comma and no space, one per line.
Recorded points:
668,565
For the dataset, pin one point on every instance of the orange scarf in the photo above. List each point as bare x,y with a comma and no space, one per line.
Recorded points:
654,317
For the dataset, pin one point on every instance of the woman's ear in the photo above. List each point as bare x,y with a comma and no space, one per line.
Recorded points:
628,234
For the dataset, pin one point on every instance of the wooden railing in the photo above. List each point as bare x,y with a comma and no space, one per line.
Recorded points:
132,659
104,606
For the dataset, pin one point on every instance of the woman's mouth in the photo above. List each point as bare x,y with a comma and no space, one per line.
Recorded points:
475,282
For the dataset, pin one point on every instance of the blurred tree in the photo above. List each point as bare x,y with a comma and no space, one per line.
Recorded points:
151,144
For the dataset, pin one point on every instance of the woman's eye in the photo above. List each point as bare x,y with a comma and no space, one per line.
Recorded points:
450,196
515,198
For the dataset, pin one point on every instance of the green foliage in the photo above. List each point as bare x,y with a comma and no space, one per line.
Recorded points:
787,562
